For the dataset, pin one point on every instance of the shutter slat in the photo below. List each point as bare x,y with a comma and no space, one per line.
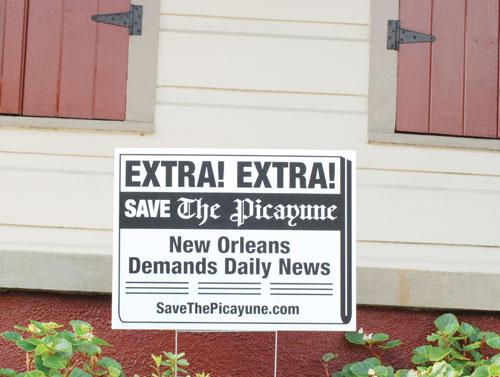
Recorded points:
447,68
414,70
78,60
12,28
481,68
43,57
112,63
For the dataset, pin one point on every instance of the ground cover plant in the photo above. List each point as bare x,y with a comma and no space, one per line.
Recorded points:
454,349
54,351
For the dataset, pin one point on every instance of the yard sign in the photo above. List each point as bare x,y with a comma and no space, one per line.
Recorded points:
234,240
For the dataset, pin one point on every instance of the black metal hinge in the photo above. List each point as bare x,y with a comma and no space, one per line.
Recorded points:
397,35
131,19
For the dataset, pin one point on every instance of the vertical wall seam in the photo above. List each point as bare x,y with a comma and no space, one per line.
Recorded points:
464,68
59,70
94,78
498,73
429,106
3,50
24,52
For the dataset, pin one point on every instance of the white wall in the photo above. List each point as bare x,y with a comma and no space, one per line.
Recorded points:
256,74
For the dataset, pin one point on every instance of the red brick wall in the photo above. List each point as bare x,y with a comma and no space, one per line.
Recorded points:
224,354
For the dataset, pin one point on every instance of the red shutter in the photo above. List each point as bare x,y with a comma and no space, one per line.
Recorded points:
449,87
12,29
75,67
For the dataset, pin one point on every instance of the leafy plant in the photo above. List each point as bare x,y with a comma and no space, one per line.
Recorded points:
52,351
454,350
169,365
369,340
461,345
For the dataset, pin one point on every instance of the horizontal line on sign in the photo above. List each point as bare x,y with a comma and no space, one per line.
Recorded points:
238,288
227,293
301,294
301,283
225,282
156,293
156,282
301,289
157,287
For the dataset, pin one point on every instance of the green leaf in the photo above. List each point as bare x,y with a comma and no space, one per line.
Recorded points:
81,328
328,357
89,348
494,370
438,354
77,372
62,345
381,371
100,342
12,336
108,362
380,337
467,329
354,337
433,337
55,361
442,369
390,344
493,341
447,323
114,372
458,356
26,345
476,355
7,372
32,373
472,346
429,353
361,368
481,372
183,362
406,373
495,360
55,373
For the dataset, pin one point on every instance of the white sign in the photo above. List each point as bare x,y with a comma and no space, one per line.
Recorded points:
234,240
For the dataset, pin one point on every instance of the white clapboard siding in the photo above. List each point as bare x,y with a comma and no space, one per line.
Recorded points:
56,191
345,11
443,209
428,208
259,55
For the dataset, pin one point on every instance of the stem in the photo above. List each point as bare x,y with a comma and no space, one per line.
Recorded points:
483,348
28,362
327,372
70,369
374,353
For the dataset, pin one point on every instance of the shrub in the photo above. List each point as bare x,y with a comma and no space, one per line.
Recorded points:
454,350
52,351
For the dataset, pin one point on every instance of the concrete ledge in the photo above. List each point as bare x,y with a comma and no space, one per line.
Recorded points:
71,272
429,289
